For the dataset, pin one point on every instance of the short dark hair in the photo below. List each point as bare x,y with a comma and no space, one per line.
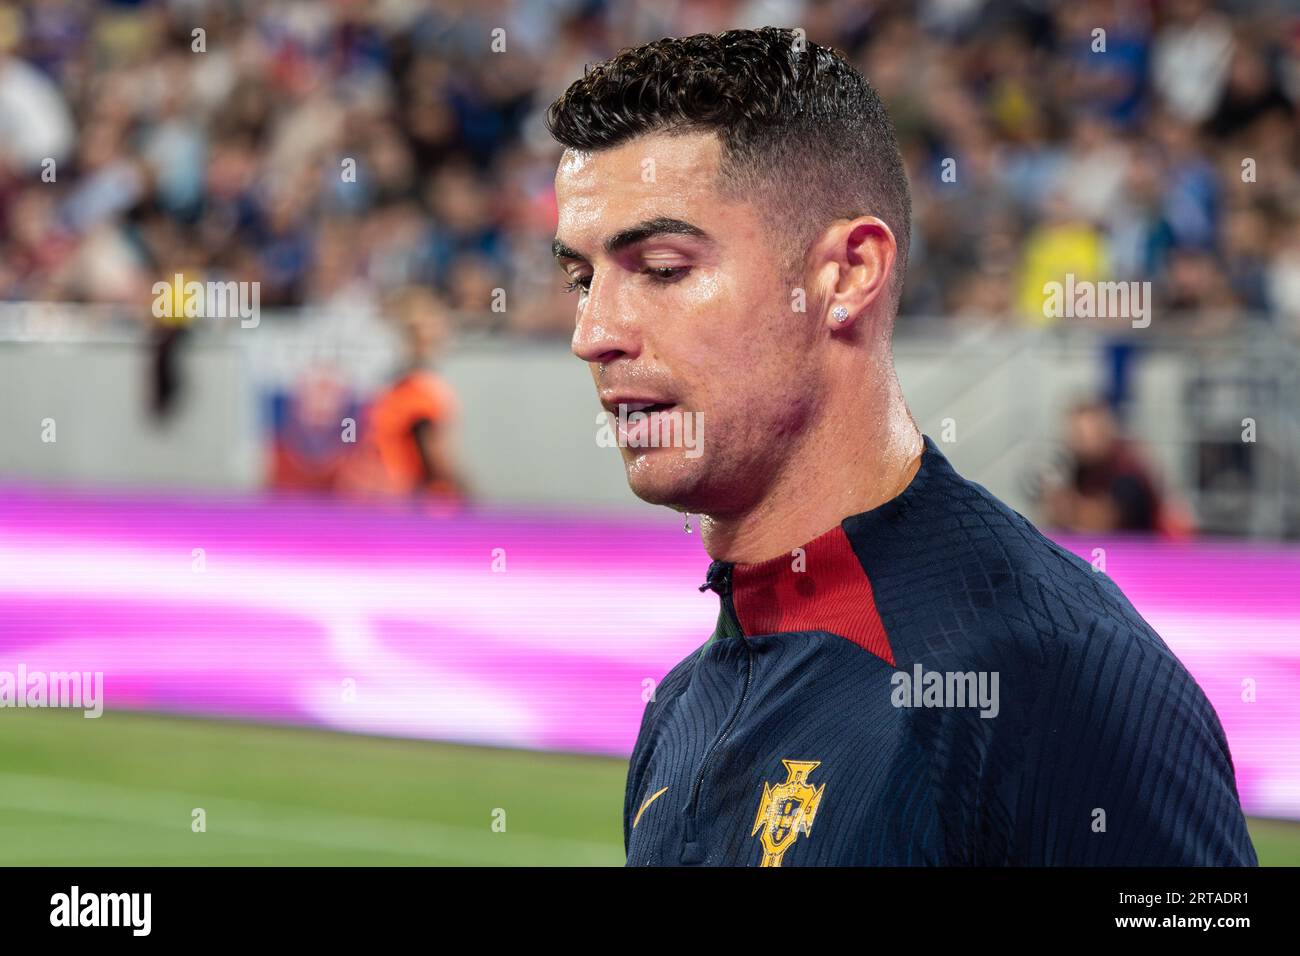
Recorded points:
800,127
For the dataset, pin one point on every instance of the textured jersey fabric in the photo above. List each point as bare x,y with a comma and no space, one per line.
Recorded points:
932,682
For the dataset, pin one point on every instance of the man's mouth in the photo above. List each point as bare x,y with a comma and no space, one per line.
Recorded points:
628,402
641,423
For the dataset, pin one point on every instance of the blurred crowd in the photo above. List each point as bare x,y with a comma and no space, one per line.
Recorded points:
336,151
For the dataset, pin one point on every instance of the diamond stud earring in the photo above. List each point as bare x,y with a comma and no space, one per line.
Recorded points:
839,313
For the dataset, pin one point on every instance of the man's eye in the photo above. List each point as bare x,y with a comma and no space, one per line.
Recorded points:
667,273
582,282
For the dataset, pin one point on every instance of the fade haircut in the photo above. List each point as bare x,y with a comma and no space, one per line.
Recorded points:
803,133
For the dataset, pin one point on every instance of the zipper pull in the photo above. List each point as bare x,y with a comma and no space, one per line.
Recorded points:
718,579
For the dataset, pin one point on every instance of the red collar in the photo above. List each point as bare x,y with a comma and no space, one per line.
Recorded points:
819,587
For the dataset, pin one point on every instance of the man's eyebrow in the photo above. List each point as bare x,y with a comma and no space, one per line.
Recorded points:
648,229
659,226
561,251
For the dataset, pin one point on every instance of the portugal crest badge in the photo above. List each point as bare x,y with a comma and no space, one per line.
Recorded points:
787,810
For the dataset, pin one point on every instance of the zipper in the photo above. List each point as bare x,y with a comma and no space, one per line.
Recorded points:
719,580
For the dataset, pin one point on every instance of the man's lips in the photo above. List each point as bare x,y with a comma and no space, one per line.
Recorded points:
639,430
635,403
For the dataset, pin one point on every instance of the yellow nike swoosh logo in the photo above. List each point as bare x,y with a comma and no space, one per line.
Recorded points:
652,799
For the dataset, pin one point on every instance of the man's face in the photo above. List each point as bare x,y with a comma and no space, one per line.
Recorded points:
683,297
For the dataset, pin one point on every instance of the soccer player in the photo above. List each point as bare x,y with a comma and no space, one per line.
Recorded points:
904,671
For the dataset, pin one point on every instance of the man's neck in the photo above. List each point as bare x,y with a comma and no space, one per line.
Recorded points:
854,463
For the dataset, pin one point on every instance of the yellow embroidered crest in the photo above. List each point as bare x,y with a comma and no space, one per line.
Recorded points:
787,810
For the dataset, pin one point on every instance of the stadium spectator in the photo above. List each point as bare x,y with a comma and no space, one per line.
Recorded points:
1106,484
309,452
407,440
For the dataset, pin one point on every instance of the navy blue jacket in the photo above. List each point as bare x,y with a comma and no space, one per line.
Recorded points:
931,682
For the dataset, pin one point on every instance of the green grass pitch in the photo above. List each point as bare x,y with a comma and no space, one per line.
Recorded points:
122,790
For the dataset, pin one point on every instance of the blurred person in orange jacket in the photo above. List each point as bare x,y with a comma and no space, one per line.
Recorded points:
407,445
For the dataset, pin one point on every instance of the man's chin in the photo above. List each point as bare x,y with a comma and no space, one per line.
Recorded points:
662,479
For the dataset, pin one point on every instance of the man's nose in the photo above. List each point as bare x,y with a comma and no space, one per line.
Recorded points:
606,327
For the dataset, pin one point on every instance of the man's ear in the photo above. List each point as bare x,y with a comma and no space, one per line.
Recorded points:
857,258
